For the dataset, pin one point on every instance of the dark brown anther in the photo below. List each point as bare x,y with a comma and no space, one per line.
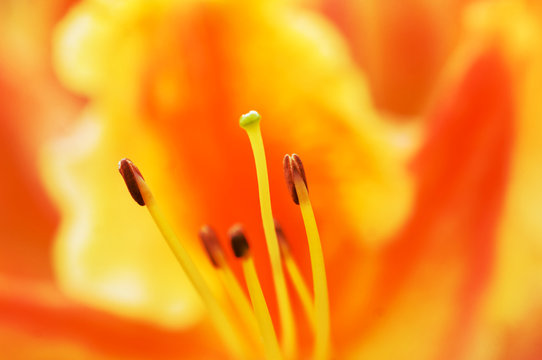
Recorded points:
287,165
284,246
129,172
293,167
212,246
299,169
239,242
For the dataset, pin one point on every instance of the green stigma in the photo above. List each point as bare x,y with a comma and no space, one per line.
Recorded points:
250,118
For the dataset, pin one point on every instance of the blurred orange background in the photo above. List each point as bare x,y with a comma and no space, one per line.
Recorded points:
418,123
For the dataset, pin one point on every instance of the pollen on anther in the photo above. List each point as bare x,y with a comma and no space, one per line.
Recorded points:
239,242
298,168
212,246
293,167
129,172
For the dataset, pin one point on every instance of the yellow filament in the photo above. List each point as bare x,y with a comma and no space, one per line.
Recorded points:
227,331
238,298
271,345
300,287
285,310
321,301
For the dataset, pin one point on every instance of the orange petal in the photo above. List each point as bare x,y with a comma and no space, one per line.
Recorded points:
434,273
39,321
402,46
32,107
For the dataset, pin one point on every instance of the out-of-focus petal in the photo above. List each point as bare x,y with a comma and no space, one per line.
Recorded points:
442,260
38,322
108,251
32,107
402,46
513,305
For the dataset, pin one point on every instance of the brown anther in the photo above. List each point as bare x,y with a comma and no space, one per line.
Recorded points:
239,242
284,246
212,246
293,167
129,172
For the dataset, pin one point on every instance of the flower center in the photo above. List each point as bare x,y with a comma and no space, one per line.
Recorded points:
255,317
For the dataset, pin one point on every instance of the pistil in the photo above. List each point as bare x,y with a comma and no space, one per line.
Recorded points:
250,122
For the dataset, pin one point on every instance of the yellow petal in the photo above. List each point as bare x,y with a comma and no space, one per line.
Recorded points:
108,252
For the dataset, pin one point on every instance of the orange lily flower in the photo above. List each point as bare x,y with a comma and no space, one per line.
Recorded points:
425,229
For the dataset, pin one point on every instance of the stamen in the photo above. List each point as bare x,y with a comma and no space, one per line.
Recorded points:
241,250
129,172
239,243
211,245
295,275
321,301
229,281
250,122
137,185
